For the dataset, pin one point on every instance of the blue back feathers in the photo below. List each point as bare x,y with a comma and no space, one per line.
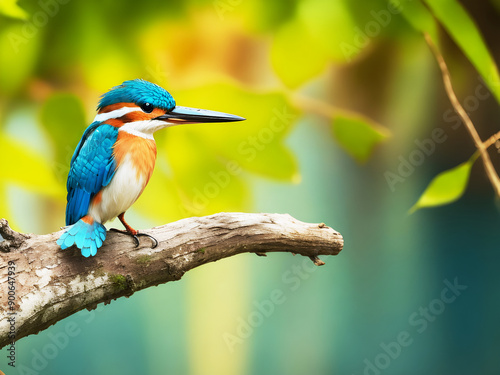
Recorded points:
140,92
92,168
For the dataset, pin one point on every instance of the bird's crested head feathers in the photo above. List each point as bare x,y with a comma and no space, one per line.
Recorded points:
140,92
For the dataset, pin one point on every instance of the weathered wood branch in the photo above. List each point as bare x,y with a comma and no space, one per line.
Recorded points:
51,284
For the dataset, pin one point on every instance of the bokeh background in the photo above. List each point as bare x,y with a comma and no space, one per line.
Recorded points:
340,96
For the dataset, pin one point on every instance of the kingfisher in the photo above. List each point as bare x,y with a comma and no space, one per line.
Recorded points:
115,158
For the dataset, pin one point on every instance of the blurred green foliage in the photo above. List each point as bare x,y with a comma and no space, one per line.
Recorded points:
357,135
58,113
10,8
21,166
58,56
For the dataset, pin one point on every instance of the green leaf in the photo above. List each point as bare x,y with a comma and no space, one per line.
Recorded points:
258,15
27,169
332,28
63,116
288,59
461,28
358,135
10,8
419,17
18,56
446,187
465,33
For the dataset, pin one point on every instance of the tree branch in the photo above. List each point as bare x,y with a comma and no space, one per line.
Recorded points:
480,145
51,284
12,239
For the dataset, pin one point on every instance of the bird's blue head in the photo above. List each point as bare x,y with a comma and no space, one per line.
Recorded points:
141,108
140,92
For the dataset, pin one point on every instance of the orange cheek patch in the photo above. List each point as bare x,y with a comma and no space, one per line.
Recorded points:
114,122
141,116
157,112
134,116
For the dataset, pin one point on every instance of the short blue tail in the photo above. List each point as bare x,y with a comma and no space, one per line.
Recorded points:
87,237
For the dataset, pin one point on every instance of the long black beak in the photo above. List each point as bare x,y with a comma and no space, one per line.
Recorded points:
186,115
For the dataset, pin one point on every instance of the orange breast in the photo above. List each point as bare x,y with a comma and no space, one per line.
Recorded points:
142,153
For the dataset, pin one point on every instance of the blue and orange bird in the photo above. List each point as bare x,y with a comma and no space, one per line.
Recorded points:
115,158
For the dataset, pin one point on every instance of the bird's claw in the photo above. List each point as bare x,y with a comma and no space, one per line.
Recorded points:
154,240
136,237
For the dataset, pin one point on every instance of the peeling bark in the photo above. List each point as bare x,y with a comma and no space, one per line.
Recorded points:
51,284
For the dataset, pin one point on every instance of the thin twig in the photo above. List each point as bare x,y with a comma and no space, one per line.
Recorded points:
480,145
492,140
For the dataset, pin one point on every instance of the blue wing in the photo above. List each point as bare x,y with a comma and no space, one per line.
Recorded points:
92,168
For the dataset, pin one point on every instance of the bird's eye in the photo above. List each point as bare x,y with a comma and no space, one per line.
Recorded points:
147,107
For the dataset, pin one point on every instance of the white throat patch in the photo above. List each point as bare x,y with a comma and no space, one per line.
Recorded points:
144,128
